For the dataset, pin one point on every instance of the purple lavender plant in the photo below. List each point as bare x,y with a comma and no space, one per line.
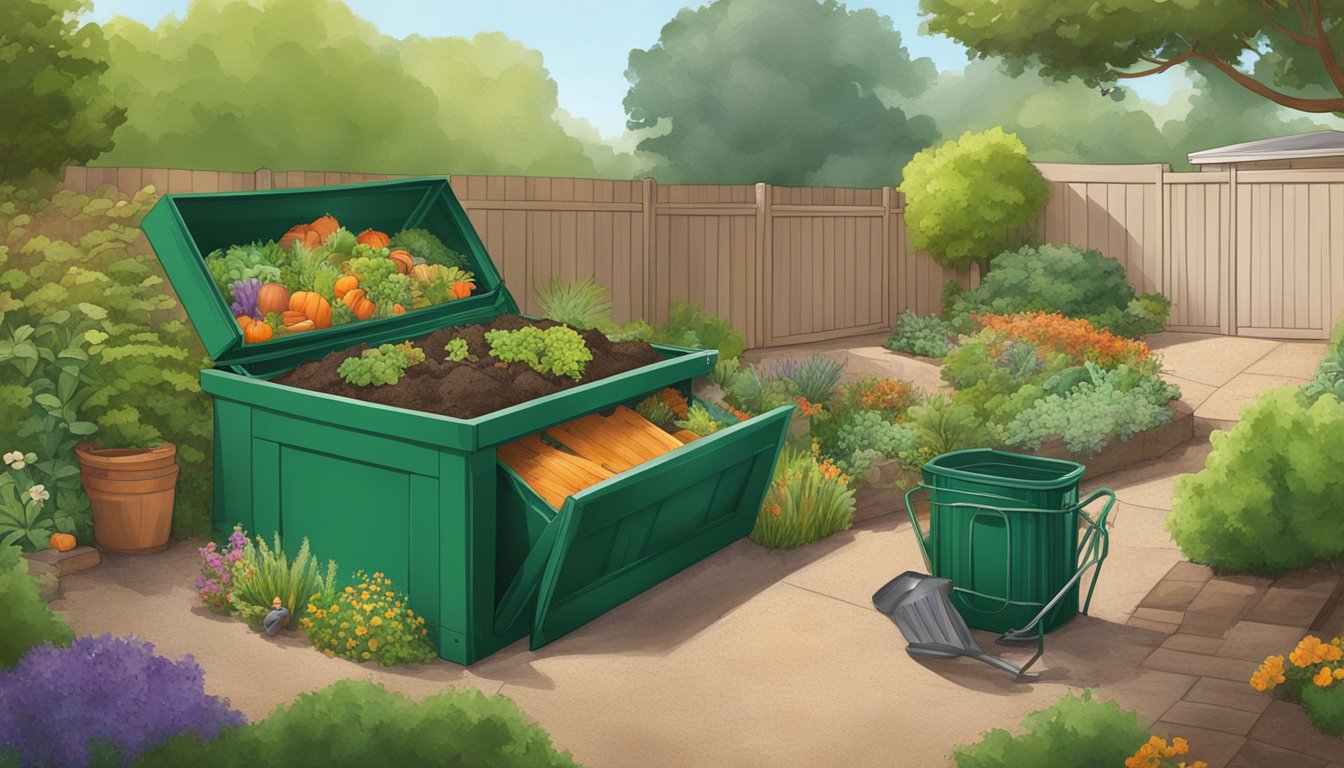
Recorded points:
56,700
245,298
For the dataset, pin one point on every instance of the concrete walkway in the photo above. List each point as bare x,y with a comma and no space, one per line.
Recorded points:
756,657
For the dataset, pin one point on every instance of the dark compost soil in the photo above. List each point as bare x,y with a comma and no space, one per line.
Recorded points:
468,389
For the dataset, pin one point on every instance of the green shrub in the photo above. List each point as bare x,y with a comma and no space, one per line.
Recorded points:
356,722
265,574
858,438
700,421
558,350
929,336
1329,376
1111,403
807,501
1267,500
1067,280
725,369
813,378
966,198
752,392
943,426
582,303
367,621
1075,731
28,620
689,326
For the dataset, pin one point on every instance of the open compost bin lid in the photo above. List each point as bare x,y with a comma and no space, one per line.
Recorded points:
183,229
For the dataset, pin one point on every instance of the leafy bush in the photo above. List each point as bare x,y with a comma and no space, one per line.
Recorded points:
73,253
689,326
1069,281
808,500
263,574
752,391
1329,376
1267,499
1313,675
558,350
725,368
888,397
1087,415
1074,731
856,439
655,410
582,303
943,426
700,421
814,378
28,620
113,690
368,621
966,198
929,336
378,367
356,722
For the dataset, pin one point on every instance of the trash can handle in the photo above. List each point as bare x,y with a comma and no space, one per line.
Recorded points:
914,523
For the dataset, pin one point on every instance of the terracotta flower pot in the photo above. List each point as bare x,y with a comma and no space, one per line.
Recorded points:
131,492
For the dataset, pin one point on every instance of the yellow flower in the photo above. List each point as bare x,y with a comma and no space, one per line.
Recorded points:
373,644
366,655
350,644
1323,679
1339,673
364,595
1179,746
389,614
345,625
376,620
361,631
349,590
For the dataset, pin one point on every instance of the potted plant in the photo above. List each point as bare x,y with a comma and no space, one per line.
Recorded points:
131,491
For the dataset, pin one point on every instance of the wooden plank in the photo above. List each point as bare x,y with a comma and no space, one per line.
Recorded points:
1103,174
1278,240
1335,258
548,205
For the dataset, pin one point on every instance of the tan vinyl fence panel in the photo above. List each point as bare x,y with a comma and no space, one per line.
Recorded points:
1251,252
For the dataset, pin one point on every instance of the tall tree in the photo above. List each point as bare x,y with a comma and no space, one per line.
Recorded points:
1109,40
51,66
293,84
785,91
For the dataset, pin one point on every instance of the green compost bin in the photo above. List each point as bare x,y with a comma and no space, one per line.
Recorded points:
421,497
1004,528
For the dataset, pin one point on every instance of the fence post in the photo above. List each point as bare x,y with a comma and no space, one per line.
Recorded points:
262,179
1227,319
888,201
764,267
649,201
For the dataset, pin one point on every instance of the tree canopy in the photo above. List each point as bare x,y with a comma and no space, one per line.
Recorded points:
294,84
785,91
56,108
1109,40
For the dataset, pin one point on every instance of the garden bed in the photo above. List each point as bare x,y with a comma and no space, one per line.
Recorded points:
470,388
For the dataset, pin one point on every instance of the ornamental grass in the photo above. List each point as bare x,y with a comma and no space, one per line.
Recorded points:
808,500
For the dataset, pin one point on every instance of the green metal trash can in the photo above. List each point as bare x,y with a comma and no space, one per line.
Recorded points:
420,496
1004,528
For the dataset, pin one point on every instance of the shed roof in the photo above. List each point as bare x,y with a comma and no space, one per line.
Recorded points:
1315,144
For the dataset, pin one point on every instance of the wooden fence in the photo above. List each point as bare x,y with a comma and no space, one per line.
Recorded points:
1239,252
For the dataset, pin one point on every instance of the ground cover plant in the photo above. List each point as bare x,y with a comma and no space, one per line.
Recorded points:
927,336
93,348
368,620
28,620
1313,676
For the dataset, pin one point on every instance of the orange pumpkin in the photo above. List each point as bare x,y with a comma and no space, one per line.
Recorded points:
363,308
299,327
373,238
62,542
273,297
290,317
346,284
313,306
353,297
294,234
402,259
325,225
397,309
462,289
257,331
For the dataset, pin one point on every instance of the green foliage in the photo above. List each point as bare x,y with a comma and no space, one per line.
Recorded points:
1086,416
583,303
699,420
888,397
379,279
656,410
689,326
268,573
1329,376
783,91
1070,281
856,439
967,198
243,262
457,350
426,245
28,620
316,86
379,367
558,350
60,110
814,378
725,369
943,426
806,502
1266,500
357,722
1325,706
1074,731
751,391
929,336
368,621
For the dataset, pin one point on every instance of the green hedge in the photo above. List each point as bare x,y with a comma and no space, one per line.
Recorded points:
28,620
1074,731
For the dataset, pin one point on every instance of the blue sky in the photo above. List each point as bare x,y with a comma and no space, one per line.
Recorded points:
588,67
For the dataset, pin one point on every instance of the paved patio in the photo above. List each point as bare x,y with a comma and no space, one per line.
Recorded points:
763,658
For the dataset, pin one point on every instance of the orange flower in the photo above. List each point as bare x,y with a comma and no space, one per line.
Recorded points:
808,408
1323,679
675,401
738,414
1074,337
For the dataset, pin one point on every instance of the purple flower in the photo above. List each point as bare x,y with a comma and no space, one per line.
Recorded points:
245,298
55,700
